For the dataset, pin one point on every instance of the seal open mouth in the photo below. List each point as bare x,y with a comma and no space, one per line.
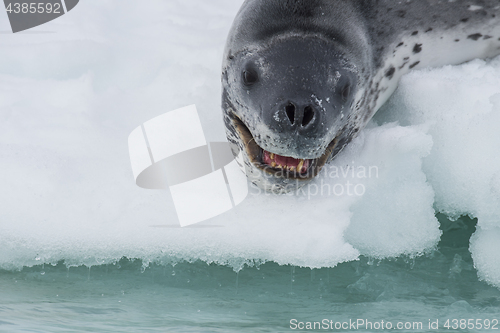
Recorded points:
278,165
286,163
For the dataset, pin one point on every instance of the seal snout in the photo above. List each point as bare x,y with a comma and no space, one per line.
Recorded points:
296,118
299,116
298,127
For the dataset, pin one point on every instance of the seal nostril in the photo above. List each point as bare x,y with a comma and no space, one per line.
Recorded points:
308,115
290,112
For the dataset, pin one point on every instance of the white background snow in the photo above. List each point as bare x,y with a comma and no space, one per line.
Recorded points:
72,90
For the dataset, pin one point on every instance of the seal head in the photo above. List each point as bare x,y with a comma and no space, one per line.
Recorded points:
290,83
289,106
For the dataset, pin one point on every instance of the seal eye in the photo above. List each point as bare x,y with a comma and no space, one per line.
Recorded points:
250,77
346,92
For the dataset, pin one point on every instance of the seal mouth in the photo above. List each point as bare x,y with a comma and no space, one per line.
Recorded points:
278,165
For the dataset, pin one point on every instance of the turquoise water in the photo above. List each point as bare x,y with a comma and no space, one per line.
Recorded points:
196,297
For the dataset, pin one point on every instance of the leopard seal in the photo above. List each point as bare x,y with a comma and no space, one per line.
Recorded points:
301,78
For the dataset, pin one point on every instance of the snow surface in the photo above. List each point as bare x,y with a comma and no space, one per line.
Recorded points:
72,90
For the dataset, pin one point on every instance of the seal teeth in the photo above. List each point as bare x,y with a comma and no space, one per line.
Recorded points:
292,165
301,164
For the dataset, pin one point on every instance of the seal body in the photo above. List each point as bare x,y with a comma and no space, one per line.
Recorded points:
301,78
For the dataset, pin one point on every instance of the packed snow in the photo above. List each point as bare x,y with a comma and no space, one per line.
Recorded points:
72,90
